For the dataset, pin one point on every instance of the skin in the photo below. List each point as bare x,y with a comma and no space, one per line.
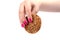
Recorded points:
28,7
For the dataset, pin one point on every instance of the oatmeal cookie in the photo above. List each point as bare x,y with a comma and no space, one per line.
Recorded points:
35,25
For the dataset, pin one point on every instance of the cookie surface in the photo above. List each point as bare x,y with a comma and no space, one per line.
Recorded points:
35,25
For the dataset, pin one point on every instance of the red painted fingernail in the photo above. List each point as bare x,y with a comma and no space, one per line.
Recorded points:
30,19
25,22
23,25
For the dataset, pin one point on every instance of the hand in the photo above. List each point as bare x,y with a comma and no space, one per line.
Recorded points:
28,7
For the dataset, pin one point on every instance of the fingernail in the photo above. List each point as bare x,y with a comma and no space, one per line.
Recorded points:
23,25
30,20
25,22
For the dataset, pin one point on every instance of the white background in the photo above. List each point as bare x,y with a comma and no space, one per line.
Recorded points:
10,28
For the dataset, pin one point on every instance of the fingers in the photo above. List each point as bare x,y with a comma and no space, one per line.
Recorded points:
28,11
22,18
25,9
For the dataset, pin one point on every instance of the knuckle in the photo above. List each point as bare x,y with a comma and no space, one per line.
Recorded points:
28,10
21,11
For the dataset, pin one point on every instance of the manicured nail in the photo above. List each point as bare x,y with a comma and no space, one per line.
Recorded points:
23,25
30,20
25,22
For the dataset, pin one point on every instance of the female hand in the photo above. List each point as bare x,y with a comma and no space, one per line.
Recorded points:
27,8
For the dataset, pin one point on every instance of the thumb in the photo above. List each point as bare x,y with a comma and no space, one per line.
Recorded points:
35,9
